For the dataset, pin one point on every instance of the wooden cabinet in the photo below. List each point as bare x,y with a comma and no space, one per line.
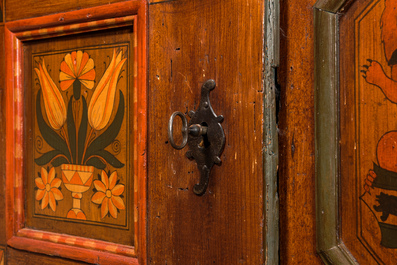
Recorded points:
88,171
302,132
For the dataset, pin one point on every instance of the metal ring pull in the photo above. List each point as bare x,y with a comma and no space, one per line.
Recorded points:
184,130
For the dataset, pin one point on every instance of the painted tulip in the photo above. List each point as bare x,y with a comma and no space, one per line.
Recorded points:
53,102
77,65
103,98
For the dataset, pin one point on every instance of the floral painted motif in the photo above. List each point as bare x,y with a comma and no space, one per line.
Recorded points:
79,129
77,65
48,189
53,101
73,145
108,194
102,101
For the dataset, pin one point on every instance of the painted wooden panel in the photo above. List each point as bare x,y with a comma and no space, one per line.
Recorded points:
368,107
74,118
80,145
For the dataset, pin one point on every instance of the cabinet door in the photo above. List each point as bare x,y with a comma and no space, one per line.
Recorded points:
356,110
91,175
189,43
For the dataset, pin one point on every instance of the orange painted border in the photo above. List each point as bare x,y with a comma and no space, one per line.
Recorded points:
90,19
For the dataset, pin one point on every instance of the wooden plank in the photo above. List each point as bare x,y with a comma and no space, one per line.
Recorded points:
192,41
14,10
79,16
16,257
2,142
326,129
270,154
296,134
69,252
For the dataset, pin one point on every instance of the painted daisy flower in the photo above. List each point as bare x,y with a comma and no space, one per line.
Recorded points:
48,189
108,194
77,66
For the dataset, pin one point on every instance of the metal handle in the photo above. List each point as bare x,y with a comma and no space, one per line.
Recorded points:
171,130
194,130
203,134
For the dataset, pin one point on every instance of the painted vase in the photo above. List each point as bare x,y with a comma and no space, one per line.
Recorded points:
77,179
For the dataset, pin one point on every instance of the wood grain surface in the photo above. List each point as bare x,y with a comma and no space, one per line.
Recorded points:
14,10
2,143
233,200
296,134
191,41
17,257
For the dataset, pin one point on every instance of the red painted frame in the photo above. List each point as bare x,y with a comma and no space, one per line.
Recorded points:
90,19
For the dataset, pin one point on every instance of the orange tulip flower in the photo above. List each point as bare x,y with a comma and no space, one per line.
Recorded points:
53,101
102,100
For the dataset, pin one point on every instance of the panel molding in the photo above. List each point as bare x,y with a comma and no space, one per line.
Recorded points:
270,153
2,256
86,20
326,75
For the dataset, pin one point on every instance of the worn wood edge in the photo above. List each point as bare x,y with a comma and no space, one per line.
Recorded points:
78,16
2,255
332,6
272,31
14,107
14,135
9,137
338,254
2,12
270,135
77,28
326,69
142,84
77,241
70,252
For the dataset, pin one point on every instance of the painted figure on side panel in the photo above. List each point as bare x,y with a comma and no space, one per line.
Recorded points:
79,127
381,181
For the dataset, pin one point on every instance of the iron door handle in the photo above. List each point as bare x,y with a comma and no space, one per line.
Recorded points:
203,134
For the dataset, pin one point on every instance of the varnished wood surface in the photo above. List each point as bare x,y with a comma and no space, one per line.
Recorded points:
17,257
14,10
192,41
296,134
2,142
297,226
